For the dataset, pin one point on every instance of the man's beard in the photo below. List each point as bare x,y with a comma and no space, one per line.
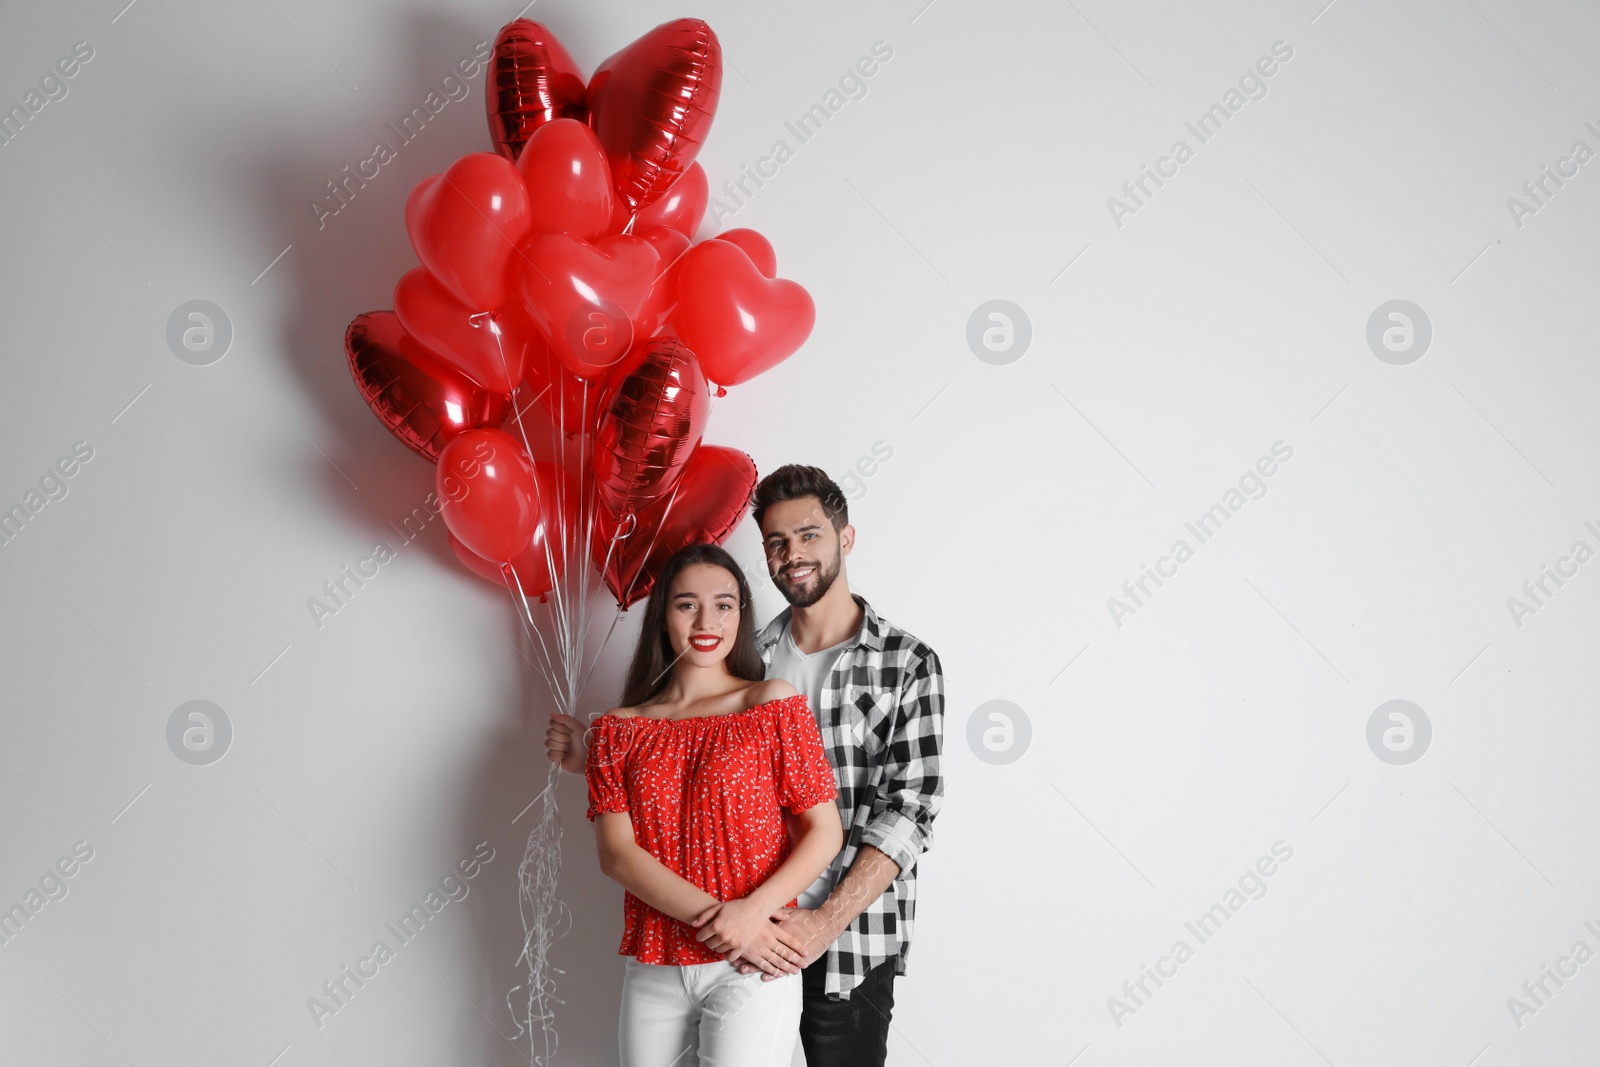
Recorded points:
824,580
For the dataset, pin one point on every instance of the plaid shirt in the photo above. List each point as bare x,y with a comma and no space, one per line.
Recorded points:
882,723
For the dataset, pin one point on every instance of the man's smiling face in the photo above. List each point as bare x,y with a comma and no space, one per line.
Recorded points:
804,552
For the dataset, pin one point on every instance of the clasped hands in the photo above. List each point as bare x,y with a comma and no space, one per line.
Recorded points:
750,936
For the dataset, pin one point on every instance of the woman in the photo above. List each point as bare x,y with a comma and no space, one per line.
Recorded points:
688,783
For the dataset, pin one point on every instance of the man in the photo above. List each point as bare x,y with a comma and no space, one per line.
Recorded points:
878,695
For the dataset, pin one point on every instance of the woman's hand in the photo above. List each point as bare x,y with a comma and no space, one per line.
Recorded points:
563,742
743,929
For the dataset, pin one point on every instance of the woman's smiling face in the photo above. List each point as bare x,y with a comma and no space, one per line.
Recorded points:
702,614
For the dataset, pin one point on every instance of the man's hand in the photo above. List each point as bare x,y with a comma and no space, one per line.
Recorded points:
563,742
742,930
804,931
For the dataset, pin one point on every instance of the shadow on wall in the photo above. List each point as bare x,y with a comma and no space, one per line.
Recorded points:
346,261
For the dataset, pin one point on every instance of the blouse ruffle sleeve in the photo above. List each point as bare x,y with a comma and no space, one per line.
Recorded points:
800,766
604,766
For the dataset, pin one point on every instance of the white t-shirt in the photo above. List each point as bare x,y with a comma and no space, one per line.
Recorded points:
808,674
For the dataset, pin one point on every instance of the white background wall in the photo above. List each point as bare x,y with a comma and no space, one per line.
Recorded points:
1167,753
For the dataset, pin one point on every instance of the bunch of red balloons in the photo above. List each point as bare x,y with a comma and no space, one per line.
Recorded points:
562,267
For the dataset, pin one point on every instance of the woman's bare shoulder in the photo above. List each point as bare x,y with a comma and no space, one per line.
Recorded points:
768,690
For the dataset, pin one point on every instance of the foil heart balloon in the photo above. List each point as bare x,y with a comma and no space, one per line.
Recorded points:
711,497
649,424
584,297
420,398
531,81
652,105
486,346
465,225
736,321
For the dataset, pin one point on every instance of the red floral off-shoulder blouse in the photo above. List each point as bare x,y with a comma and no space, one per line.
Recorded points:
705,795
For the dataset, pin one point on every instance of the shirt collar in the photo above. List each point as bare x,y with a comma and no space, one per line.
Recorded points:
870,635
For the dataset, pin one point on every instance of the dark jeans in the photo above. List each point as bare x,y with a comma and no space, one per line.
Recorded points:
847,1033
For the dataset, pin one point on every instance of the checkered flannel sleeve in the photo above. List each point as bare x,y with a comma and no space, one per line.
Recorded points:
913,789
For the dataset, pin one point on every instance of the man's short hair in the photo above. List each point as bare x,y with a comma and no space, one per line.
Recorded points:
795,480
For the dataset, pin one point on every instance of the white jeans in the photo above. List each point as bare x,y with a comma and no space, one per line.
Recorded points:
706,1015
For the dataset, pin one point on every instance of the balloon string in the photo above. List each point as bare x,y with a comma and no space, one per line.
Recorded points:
558,611
536,881
575,586
603,642
588,513
520,600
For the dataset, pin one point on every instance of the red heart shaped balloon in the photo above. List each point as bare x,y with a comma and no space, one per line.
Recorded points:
558,522
419,397
737,322
584,297
531,570
681,207
465,225
757,247
653,317
652,104
668,243
531,81
570,402
707,504
486,346
568,180
649,424
489,495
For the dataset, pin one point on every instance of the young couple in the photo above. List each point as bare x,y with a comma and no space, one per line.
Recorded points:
763,798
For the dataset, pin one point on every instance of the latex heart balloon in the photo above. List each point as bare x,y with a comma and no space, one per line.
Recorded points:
571,402
737,322
489,495
568,178
757,247
465,225
681,207
531,570
652,105
419,397
649,424
487,347
531,81
584,296
670,245
558,524
711,497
